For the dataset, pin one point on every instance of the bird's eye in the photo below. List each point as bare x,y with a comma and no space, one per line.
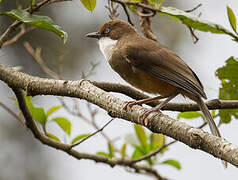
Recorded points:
107,30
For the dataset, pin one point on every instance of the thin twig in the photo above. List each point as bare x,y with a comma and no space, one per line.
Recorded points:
77,113
19,35
112,10
38,6
194,37
91,71
91,135
144,6
36,54
13,113
153,153
138,4
4,37
126,11
93,123
42,4
159,149
127,14
195,8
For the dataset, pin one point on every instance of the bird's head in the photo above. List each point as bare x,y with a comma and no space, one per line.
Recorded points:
114,29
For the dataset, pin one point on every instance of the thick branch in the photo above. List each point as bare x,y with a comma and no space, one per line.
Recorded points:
157,122
135,94
68,149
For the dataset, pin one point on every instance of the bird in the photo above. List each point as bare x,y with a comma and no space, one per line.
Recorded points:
150,66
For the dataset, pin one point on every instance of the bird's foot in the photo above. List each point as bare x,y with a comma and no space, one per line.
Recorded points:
130,104
144,117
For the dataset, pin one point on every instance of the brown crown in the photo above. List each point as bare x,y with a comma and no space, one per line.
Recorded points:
118,29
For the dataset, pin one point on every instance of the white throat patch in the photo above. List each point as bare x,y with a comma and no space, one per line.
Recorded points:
106,46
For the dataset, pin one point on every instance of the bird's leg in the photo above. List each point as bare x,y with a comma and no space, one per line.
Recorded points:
142,101
156,108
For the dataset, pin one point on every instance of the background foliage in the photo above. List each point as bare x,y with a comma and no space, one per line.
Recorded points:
142,142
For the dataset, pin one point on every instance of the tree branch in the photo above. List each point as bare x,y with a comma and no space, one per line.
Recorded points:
159,149
157,122
19,118
193,9
19,35
138,4
67,148
4,37
153,153
126,12
99,130
181,107
36,54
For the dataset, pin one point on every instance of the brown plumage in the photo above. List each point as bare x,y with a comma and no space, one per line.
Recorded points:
150,66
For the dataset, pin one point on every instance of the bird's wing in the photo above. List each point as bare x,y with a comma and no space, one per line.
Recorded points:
165,65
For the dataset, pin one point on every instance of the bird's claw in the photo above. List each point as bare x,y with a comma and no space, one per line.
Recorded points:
144,116
130,104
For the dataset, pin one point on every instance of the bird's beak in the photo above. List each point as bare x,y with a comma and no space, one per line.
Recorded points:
94,35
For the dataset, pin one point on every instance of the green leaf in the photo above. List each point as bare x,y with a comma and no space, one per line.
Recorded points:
225,115
141,135
173,163
103,154
140,151
89,4
156,140
52,109
111,150
228,75
213,113
137,153
189,115
79,137
52,136
37,113
229,72
42,22
64,123
194,21
123,151
232,18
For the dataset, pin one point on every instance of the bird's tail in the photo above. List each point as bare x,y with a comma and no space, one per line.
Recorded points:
212,125
208,116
